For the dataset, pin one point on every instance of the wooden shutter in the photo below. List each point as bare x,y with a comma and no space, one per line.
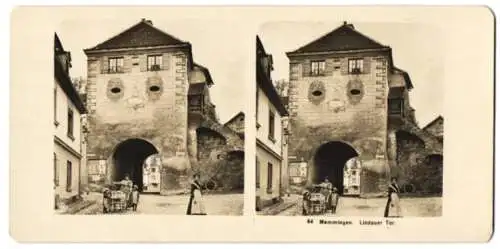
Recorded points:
257,172
328,67
344,66
269,176
306,68
69,176
56,171
127,64
366,65
104,65
166,61
143,62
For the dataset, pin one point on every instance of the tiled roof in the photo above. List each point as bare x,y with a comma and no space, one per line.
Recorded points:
205,70
239,114
409,84
142,34
265,83
342,38
63,78
439,118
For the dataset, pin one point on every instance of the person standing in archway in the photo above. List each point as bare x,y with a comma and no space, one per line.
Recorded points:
126,187
327,184
195,205
393,208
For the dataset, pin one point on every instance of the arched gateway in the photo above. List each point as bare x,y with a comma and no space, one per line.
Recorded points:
329,162
128,158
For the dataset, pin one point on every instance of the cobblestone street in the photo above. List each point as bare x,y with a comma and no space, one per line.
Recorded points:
349,206
216,204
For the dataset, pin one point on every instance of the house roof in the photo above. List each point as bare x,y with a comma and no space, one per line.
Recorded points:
239,114
439,118
196,89
345,37
406,76
63,78
265,83
205,71
142,34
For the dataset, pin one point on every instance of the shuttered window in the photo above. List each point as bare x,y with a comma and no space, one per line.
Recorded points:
155,62
115,65
269,177
70,123
271,126
396,106
257,172
356,66
317,68
56,171
69,176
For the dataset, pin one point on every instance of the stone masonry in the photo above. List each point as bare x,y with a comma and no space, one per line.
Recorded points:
149,106
335,104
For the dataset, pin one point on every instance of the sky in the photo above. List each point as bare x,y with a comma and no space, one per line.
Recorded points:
416,48
225,60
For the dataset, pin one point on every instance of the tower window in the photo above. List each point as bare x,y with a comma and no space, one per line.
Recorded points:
355,66
396,106
115,65
271,126
317,68
155,62
70,123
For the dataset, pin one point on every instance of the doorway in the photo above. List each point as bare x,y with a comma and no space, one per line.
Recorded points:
128,160
329,162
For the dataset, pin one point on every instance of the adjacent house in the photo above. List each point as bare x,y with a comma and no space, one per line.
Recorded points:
237,124
435,127
271,160
69,168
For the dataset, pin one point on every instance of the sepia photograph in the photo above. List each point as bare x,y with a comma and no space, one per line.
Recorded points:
141,121
251,124
349,119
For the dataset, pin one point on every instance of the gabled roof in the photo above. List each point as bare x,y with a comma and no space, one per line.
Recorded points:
142,34
439,118
265,82
63,78
345,37
406,76
205,70
239,114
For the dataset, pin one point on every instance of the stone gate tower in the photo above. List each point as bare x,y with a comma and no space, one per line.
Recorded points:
146,96
346,101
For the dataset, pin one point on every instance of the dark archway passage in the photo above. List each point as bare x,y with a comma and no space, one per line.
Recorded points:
329,162
128,159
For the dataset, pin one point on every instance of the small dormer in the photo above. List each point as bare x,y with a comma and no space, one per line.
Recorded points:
264,60
200,74
64,57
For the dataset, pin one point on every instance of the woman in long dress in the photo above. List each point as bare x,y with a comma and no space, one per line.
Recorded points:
393,208
195,205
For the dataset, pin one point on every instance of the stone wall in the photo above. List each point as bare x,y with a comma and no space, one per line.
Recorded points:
211,144
324,108
149,105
